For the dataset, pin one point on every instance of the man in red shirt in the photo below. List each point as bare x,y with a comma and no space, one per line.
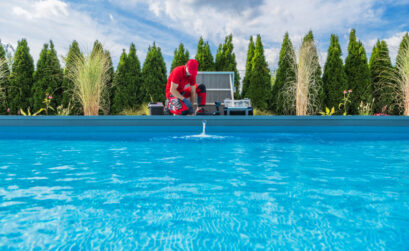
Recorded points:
182,85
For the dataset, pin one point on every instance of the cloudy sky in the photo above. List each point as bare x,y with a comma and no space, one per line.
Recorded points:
117,23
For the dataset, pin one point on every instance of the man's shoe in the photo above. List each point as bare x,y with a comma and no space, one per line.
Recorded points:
201,111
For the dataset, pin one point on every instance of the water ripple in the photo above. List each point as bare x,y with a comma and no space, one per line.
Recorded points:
237,193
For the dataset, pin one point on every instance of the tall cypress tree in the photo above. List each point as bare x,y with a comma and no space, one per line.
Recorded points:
40,80
358,75
48,78
181,57
4,83
204,56
21,78
334,78
97,47
200,51
286,73
219,60
68,99
121,96
380,66
154,75
56,74
127,81
135,78
226,61
246,80
207,60
260,88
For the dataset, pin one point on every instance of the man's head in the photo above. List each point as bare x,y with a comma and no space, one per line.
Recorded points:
191,67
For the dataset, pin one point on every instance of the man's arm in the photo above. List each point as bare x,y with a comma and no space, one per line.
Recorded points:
193,94
174,91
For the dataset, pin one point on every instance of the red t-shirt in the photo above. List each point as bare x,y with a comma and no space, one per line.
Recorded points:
179,76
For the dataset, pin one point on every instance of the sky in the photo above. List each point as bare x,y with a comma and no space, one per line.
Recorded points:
118,23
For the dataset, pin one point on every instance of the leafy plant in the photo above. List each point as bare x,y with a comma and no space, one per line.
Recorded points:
61,111
47,102
28,113
365,109
258,112
328,112
142,110
345,102
382,112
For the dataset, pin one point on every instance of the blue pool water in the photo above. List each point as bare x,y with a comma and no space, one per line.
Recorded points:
247,191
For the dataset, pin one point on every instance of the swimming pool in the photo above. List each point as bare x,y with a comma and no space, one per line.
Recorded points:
103,187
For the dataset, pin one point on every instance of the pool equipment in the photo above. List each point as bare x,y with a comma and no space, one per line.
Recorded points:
219,85
155,108
238,107
217,112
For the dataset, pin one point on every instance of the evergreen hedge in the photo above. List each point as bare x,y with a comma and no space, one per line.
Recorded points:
334,78
358,75
154,76
21,79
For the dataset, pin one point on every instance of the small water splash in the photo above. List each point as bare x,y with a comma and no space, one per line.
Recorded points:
203,135
204,122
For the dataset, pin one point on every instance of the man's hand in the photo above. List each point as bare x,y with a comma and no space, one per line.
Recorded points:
174,91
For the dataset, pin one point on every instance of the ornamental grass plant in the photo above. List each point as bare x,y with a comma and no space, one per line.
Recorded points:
90,76
398,79
3,71
3,74
302,92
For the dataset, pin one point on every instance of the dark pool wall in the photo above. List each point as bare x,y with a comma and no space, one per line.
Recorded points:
170,121
137,127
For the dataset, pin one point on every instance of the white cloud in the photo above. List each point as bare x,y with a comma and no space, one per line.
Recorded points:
215,19
173,21
40,21
392,41
42,9
272,55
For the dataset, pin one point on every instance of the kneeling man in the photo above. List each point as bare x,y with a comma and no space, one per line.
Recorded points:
181,86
